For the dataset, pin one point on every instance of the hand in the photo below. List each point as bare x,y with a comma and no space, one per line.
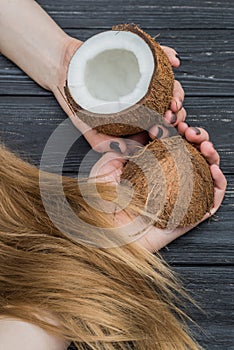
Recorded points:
109,169
155,238
176,113
104,143
47,62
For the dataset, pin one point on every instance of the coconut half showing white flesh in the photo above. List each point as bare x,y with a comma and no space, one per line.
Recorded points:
114,76
110,72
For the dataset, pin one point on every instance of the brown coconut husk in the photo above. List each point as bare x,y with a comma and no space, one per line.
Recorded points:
135,118
171,181
160,91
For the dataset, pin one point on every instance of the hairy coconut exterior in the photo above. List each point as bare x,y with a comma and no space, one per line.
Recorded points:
160,91
171,181
135,118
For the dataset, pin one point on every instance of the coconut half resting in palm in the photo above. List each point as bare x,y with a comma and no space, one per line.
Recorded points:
120,82
171,181
114,75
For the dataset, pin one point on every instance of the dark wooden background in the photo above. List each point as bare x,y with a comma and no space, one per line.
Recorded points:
203,34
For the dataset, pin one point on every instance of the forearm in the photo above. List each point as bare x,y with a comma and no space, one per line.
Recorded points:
33,41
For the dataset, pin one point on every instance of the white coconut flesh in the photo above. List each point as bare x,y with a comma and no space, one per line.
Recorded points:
110,72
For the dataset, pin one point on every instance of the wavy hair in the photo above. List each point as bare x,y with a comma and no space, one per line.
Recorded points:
99,298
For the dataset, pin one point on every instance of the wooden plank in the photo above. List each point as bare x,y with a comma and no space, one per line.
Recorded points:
206,69
212,289
150,14
216,116
210,243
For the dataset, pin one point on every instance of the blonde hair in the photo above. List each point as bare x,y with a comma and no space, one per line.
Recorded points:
104,298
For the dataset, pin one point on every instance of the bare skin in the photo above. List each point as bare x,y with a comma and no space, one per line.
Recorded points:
15,334
34,42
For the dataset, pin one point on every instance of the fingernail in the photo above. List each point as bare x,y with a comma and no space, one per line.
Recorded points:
197,131
173,118
160,132
178,56
115,146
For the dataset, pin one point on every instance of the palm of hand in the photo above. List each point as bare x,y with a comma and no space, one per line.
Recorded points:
108,168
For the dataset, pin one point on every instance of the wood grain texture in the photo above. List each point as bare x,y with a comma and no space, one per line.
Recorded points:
150,14
215,299
207,61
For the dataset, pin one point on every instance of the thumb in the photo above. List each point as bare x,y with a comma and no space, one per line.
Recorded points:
105,143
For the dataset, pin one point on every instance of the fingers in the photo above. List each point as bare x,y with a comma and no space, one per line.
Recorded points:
218,177
178,97
172,55
175,118
196,135
102,143
208,151
193,134
161,132
177,113
200,137
220,184
182,127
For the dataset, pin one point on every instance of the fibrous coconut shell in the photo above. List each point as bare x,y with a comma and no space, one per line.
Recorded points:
138,117
160,91
171,181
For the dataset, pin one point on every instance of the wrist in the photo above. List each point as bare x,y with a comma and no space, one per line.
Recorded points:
68,49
